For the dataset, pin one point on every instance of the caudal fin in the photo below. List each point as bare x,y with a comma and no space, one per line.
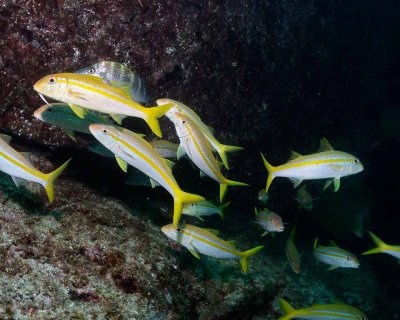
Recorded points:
181,198
288,310
222,209
152,115
224,186
244,260
270,170
51,177
380,245
223,150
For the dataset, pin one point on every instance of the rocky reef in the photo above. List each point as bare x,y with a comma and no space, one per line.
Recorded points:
91,256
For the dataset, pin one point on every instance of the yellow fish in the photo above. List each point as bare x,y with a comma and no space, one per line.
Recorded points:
20,168
87,91
204,241
325,164
130,148
179,107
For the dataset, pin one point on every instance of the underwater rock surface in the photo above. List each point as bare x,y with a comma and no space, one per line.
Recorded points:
89,256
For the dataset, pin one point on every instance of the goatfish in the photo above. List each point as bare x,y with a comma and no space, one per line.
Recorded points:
179,107
204,241
198,149
20,168
130,148
204,208
335,256
61,115
303,197
82,91
117,75
292,254
269,221
325,164
321,312
382,247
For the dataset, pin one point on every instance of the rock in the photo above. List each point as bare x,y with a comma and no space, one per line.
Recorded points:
92,256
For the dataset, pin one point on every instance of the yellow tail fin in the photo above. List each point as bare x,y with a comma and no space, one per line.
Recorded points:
51,177
288,310
152,115
224,186
270,170
245,257
223,150
381,246
181,198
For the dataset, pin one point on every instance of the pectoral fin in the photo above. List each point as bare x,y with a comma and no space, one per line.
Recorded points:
180,152
331,268
265,233
122,163
336,184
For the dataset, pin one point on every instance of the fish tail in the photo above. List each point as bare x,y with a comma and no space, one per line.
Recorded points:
181,198
381,246
270,170
51,177
244,263
152,115
288,310
224,149
224,186
222,209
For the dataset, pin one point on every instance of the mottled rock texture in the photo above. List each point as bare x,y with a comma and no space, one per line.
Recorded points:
89,256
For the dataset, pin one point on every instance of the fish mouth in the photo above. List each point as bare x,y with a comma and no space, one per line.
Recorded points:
280,229
38,113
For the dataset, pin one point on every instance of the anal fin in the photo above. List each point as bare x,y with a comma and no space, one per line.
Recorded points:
122,163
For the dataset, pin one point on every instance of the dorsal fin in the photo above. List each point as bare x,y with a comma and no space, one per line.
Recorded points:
333,244
294,155
169,163
213,231
324,145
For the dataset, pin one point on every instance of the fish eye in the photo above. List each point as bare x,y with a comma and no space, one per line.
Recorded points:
270,220
104,130
51,80
183,121
192,204
347,258
355,160
179,230
91,71
50,110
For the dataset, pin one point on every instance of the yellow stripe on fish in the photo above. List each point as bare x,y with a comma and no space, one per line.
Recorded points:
130,148
18,167
90,92
207,131
198,240
325,164
199,151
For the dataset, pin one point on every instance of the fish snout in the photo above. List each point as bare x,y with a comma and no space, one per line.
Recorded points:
96,127
39,112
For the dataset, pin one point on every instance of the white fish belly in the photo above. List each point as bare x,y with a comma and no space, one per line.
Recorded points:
17,171
141,164
309,172
210,250
328,259
101,103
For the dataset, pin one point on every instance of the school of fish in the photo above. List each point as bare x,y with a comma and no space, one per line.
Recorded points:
95,100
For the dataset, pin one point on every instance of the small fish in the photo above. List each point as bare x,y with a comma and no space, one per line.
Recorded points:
382,247
116,74
199,151
82,91
335,256
269,221
164,148
303,197
61,115
198,240
325,164
179,107
263,196
321,312
204,208
20,168
130,148
291,252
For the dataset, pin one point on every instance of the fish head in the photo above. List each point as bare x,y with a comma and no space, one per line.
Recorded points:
349,260
98,69
190,208
53,86
174,233
274,222
182,124
41,112
106,134
54,113
356,165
